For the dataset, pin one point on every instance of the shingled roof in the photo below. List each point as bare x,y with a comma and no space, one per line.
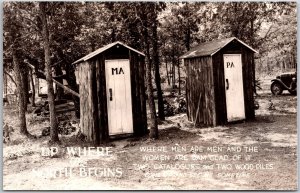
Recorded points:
210,48
100,50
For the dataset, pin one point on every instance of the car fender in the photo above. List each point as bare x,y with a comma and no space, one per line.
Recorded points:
281,83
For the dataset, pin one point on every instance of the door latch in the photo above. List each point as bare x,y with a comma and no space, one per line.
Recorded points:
110,94
227,84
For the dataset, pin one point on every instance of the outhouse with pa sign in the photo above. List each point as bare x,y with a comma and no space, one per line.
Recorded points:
112,93
220,82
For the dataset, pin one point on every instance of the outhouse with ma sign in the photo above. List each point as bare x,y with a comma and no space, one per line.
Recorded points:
112,93
220,82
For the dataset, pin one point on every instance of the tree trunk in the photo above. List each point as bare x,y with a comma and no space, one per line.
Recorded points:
16,64
187,41
168,76
25,86
235,32
4,83
173,61
173,67
113,35
178,69
252,20
32,88
45,34
59,90
155,56
173,71
21,94
71,80
294,58
153,121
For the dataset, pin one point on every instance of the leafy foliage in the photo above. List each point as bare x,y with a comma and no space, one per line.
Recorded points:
79,28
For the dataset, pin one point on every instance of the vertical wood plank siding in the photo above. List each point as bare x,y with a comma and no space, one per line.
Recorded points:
102,118
248,77
93,100
138,94
86,100
200,91
220,97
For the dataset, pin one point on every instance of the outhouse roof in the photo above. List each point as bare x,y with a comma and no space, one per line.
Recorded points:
100,50
212,47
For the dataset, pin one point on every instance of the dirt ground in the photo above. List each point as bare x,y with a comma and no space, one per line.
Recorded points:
253,155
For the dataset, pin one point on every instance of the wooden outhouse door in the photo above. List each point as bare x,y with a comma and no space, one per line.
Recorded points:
234,87
118,89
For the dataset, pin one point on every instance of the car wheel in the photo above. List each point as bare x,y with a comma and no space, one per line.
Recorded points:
276,88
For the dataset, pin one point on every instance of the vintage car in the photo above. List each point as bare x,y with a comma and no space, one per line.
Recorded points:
285,81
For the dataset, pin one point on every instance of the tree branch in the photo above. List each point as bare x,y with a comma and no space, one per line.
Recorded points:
56,82
10,76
